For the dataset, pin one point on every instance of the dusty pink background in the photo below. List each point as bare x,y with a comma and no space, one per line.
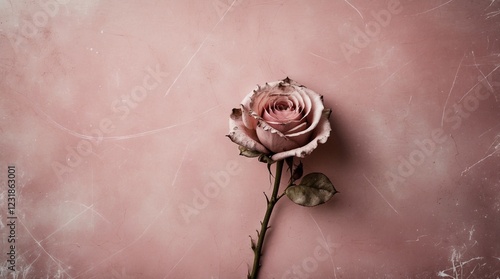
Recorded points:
114,114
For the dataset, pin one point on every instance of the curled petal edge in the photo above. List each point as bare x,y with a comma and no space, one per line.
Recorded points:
249,120
239,134
323,130
316,102
254,100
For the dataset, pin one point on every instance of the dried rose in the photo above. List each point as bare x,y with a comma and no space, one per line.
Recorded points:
281,119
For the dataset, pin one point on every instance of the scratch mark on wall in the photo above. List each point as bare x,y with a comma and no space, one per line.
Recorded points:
180,260
435,8
458,266
492,14
146,229
323,58
394,209
324,239
418,238
471,232
359,13
198,50
477,83
489,130
53,258
467,169
395,72
451,88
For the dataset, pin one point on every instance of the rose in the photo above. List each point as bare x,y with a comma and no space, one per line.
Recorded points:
275,122
281,119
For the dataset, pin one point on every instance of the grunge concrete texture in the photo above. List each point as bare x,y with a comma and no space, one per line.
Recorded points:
114,115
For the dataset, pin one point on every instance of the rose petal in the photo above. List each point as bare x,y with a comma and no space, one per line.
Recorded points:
290,114
239,133
253,105
296,93
299,128
300,139
316,106
283,111
249,121
281,116
321,135
284,125
259,98
273,139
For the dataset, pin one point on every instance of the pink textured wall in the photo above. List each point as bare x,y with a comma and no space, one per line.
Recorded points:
114,115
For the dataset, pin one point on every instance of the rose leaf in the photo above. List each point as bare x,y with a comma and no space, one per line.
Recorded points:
314,189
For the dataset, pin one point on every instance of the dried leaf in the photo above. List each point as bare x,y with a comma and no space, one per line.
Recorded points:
313,190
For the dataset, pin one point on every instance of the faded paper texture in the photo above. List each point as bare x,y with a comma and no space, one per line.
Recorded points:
114,161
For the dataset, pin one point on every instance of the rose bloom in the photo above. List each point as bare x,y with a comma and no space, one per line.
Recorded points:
281,119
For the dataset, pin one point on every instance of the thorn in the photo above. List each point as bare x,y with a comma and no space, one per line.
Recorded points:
252,244
267,198
270,173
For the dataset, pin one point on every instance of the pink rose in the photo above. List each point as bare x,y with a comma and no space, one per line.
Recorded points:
281,119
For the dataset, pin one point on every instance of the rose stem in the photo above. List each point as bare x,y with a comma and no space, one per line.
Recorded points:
264,224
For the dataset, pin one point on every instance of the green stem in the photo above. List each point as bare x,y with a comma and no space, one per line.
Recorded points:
264,224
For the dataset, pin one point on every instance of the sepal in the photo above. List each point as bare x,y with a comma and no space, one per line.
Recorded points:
248,152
